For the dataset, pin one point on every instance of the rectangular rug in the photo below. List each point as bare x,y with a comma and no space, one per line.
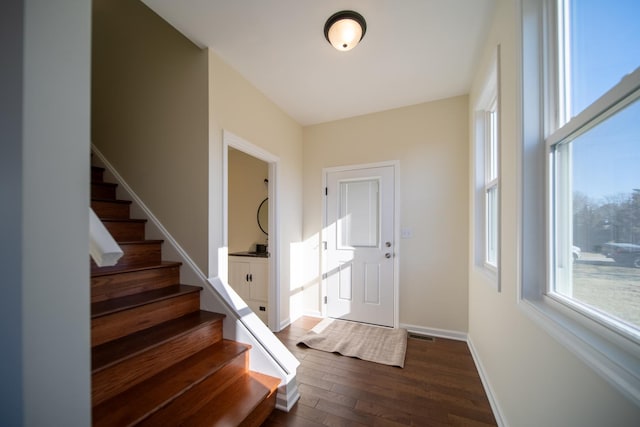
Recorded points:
367,342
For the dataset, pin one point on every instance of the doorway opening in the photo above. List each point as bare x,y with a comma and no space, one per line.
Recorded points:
250,225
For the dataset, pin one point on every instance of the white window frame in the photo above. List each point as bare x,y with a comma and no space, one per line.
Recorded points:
487,175
491,185
614,355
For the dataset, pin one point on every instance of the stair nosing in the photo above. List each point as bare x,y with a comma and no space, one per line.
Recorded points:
158,341
163,264
155,295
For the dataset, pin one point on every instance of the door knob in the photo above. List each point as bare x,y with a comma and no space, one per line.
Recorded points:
388,244
387,255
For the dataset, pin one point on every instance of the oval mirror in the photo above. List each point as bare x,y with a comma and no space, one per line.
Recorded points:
263,216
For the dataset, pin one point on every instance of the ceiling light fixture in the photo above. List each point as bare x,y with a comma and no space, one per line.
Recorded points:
345,29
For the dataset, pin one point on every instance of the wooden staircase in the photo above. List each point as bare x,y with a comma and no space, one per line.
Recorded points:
157,359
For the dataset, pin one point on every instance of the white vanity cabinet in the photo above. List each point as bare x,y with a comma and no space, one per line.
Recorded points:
248,276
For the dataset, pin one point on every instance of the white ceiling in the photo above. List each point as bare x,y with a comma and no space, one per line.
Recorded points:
414,51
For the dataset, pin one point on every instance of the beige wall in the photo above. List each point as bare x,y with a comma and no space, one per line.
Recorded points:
238,107
149,116
536,381
247,190
430,142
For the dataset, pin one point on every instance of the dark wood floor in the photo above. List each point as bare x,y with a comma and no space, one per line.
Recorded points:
439,386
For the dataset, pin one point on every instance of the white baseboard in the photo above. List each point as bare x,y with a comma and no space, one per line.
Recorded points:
286,322
497,412
435,332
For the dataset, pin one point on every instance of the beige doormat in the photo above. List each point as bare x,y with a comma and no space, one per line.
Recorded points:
367,342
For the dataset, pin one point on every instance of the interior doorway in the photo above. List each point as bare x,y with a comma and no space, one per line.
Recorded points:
250,225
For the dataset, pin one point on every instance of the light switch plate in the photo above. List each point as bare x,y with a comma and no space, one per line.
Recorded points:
406,233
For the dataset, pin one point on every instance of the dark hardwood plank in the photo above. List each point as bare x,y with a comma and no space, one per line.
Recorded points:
439,386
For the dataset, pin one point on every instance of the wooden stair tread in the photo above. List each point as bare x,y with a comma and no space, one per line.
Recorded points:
103,308
152,394
115,351
163,264
236,405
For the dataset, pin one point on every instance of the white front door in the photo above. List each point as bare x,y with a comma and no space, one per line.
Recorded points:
359,234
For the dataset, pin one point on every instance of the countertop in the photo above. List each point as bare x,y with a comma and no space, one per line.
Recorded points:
251,254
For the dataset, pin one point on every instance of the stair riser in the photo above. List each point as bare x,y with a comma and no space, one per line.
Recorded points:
97,174
125,231
196,398
103,191
261,413
116,378
123,284
135,255
106,209
116,325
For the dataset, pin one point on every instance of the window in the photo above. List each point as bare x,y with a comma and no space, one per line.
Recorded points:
581,179
487,175
491,185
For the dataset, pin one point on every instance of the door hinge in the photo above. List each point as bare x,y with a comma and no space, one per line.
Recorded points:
325,299
326,191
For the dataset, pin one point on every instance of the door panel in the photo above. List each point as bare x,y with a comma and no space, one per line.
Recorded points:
372,283
359,231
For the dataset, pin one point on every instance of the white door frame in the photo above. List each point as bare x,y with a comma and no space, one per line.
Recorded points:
395,164
231,140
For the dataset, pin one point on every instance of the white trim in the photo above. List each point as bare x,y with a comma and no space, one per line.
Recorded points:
104,250
601,109
286,322
435,332
489,100
229,139
486,384
395,164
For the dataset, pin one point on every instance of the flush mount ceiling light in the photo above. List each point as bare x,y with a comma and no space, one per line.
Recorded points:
345,29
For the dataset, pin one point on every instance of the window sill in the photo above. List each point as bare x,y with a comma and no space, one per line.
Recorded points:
613,357
490,275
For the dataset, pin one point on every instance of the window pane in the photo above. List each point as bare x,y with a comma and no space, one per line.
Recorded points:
492,144
597,216
359,223
604,39
492,226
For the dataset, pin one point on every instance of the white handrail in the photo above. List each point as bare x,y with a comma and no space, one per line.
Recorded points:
102,247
